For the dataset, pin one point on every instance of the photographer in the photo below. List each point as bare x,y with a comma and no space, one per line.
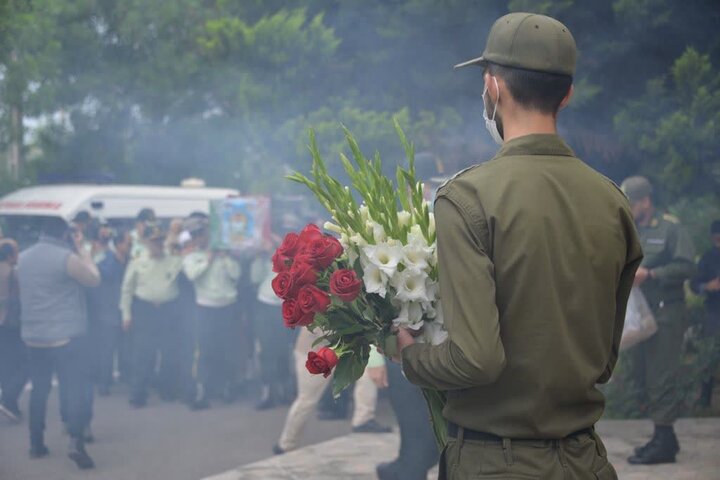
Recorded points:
53,275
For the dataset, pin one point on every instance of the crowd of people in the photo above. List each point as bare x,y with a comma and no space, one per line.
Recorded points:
155,306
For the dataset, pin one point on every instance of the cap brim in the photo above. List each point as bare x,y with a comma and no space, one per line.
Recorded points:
474,61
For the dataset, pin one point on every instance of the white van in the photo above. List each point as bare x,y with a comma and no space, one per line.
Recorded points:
21,211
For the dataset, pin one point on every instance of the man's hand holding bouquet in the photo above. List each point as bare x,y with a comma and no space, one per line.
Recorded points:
375,274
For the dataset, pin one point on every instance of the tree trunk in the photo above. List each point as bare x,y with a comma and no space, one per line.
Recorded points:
15,148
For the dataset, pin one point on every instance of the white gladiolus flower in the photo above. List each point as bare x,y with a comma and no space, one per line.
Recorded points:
364,213
384,256
331,227
378,232
410,286
358,241
431,227
404,218
375,280
410,316
416,257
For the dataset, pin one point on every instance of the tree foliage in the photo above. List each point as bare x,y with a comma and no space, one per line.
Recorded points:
154,91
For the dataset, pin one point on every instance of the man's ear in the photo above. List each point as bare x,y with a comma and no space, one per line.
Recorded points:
567,98
493,85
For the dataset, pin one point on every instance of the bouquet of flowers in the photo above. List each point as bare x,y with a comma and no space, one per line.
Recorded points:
376,272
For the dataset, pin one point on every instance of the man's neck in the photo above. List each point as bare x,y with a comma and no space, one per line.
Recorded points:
520,122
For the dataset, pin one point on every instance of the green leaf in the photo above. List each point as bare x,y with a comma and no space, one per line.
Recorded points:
349,369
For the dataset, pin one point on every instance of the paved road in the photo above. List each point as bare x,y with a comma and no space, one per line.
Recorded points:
162,441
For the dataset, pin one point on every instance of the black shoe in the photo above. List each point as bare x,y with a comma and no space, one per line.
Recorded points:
387,471
639,450
11,413
39,451
137,402
277,450
662,450
372,426
78,455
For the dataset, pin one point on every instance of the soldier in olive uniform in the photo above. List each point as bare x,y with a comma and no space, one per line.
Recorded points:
537,254
668,263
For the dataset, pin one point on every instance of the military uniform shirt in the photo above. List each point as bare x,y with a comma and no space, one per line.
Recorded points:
216,281
150,279
537,256
670,254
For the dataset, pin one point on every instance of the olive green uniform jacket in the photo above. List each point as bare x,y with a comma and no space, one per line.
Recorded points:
537,256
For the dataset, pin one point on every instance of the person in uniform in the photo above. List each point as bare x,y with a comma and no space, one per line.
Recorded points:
669,262
146,216
707,283
148,305
214,274
537,254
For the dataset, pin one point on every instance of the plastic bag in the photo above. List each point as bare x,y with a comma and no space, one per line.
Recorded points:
640,323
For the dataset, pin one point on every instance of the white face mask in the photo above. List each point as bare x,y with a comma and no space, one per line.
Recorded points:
490,123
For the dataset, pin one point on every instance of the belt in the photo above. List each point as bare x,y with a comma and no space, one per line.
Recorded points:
469,434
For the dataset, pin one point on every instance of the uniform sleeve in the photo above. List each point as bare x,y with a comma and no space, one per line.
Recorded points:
127,290
195,264
473,354
633,260
681,266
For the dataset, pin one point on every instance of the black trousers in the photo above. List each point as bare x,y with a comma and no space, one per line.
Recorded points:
69,363
105,340
13,366
218,340
155,333
418,449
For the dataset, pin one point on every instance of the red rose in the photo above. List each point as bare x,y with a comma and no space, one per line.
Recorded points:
304,272
280,263
345,284
323,251
284,285
321,362
290,246
309,233
293,315
313,300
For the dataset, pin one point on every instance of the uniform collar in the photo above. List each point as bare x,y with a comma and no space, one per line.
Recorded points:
535,144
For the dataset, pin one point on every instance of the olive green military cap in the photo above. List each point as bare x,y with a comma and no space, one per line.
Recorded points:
636,188
529,41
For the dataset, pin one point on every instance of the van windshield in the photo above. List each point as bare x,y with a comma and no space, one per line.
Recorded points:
24,229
